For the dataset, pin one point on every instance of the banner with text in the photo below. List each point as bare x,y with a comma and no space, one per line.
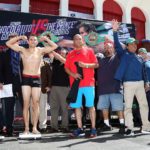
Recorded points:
61,29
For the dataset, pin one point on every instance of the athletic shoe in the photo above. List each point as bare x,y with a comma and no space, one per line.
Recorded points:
78,133
145,131
129,133
93,133
105,127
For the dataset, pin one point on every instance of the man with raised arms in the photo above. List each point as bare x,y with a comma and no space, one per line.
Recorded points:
31,58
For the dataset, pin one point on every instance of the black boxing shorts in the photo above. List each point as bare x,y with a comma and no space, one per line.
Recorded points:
31,80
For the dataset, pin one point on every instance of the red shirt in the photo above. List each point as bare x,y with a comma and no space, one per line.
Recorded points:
85,55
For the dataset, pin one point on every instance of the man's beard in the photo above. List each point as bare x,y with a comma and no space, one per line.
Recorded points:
107,54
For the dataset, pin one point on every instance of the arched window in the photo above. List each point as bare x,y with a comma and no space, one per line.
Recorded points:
138,19
111,10
11,1
45,6
81,6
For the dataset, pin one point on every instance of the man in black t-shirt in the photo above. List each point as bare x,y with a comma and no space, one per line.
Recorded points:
59,92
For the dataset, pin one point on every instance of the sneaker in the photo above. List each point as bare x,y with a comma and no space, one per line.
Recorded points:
2,137
93,133
43,130
122,129
105,127
7,133
53,130
73,116
129,133
78,133
145,131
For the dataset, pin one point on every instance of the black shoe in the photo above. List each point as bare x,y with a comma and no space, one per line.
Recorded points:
1,132
43,130
4,131
65,130
53,130
122,129
106,128
9,134
129,133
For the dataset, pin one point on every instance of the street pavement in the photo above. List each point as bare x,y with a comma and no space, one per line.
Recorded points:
109,140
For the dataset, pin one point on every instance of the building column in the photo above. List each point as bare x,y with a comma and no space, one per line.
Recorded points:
25,4
127,16
147,29
63,7
98,9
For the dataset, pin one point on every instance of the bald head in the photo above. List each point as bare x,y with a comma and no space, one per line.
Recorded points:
77,36
78,41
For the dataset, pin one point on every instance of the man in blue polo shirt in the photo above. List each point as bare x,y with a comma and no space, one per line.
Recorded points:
130,72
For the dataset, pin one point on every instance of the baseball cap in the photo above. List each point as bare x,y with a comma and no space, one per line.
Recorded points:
143,50
131,40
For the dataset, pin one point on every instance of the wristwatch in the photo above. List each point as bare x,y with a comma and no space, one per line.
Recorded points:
86,66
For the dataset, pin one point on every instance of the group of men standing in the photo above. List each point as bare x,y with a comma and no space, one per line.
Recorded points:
118,68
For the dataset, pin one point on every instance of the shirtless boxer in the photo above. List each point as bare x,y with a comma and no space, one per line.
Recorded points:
31,58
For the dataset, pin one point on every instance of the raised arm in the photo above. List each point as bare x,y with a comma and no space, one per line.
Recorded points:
59,57
14,45
118,46
66,43
48,48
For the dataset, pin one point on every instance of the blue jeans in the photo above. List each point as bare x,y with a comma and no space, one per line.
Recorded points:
115,100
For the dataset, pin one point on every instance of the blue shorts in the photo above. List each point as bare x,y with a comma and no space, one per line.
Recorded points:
89,93
115,100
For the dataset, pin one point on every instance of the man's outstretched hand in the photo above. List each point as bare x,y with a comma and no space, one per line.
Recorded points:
115,25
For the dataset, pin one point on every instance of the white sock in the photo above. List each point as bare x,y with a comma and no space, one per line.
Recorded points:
107,122
121,121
